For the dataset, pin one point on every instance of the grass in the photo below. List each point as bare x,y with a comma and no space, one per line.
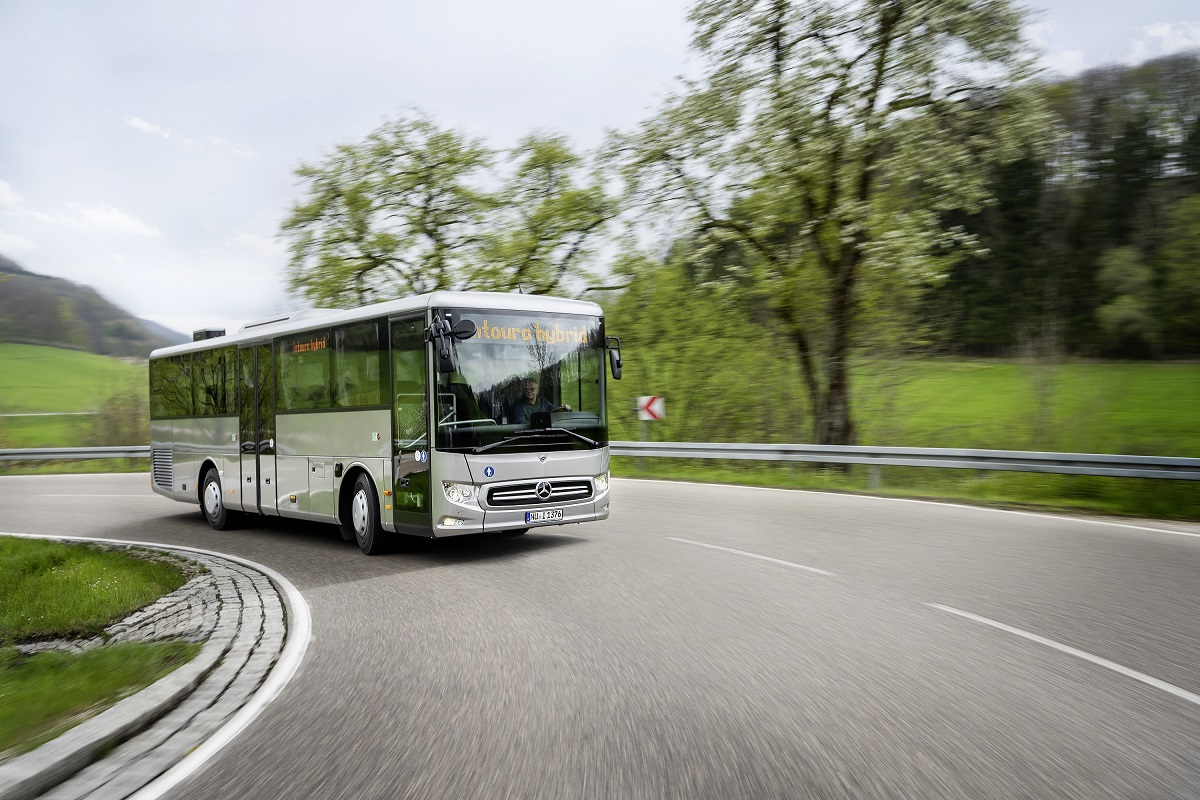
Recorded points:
53,590
1131,408
1160,499
36,378
44,694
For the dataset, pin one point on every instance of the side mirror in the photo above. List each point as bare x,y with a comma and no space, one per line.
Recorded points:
441,334
613,344
464,329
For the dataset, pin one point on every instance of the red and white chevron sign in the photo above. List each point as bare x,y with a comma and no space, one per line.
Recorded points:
651,407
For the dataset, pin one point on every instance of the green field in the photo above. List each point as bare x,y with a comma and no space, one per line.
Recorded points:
34,378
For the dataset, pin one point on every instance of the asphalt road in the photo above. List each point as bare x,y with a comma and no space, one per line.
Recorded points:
825,658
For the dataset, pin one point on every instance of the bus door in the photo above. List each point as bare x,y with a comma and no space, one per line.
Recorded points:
410,427
256,413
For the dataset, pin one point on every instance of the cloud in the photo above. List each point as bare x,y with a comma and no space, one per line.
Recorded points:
259,246
1163,38
1064,62
100,219
225,144
148,127
9,199
10,243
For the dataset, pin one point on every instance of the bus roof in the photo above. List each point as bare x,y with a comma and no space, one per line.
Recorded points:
310,318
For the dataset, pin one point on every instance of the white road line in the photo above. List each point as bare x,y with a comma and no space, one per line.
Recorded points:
299,634
753,555
1170,688
1059,517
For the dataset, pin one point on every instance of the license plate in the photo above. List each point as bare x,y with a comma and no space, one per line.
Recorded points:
547,515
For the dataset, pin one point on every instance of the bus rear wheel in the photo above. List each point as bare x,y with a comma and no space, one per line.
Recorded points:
364,517
212,502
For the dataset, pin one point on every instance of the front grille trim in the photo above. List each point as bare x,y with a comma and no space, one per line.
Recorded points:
562,490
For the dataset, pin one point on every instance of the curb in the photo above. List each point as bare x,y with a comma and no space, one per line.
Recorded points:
227,685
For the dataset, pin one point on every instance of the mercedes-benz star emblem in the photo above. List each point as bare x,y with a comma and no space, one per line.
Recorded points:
543,490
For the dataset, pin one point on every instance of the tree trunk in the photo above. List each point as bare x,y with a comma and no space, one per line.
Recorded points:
833,423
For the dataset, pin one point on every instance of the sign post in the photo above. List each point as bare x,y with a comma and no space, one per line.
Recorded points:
649,407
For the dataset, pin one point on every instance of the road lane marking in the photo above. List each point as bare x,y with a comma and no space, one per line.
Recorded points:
754,555
1170,688
1057,517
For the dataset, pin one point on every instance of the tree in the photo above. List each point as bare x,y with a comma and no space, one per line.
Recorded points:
410,210
544,224
827,139
393,215
1127,319
1179,263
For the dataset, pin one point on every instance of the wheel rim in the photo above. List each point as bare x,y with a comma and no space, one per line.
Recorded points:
212,499
359,514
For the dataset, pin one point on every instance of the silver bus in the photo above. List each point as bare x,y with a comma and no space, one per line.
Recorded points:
437,415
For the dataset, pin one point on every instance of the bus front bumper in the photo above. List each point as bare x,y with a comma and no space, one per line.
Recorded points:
507,519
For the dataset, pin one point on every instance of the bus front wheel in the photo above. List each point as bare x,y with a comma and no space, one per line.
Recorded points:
364,517
212,502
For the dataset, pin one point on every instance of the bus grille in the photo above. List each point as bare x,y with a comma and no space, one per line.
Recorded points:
161,460
525,494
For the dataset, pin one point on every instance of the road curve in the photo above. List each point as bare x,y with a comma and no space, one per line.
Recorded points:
714,642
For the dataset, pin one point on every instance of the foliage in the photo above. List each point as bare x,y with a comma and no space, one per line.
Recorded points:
1179,263
410,210
1127,320
823,145
1126,151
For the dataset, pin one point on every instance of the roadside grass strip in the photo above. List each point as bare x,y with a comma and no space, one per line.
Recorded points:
58,591
44,694
54,590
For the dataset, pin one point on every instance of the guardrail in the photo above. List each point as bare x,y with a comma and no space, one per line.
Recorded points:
1113,466
57,453
1187,469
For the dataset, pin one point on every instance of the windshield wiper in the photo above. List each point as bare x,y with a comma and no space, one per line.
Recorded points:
538,433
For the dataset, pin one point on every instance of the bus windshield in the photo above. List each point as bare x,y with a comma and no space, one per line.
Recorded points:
524,382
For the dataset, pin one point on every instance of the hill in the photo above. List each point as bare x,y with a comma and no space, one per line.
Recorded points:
38,309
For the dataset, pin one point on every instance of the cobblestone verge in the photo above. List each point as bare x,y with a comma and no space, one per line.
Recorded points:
239,615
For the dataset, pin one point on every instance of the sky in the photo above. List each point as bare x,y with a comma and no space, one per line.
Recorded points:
148,148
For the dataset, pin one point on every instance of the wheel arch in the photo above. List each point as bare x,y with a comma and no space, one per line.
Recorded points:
346,489
207,463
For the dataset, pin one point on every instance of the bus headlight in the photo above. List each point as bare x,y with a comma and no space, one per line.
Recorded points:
601,483
458,492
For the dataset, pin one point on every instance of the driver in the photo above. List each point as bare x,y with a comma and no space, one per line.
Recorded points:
531,402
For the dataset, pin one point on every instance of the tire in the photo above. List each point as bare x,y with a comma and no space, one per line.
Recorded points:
212,503
364,517
345,526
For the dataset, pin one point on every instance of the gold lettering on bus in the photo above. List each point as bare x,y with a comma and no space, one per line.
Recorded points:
311,345
534,331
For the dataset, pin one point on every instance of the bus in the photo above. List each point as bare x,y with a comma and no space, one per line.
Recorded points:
437,415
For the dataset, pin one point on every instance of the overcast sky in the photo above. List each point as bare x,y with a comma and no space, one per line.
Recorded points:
147,148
